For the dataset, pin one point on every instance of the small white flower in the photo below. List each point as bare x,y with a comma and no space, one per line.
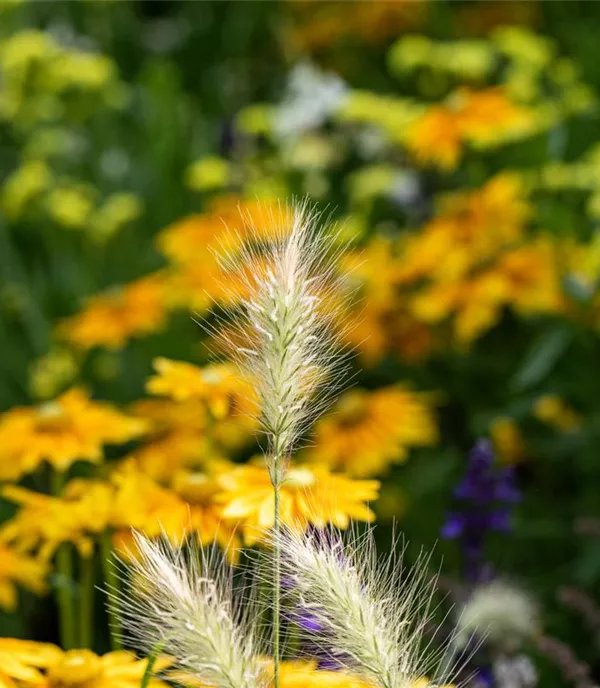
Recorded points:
311,97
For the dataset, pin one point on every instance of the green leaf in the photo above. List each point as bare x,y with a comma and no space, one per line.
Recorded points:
541,358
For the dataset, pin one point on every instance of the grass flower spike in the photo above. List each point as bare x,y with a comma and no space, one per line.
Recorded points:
182,605
366,614
283,339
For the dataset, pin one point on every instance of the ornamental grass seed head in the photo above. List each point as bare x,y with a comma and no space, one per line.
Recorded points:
503,615
182,604
282,335
371,614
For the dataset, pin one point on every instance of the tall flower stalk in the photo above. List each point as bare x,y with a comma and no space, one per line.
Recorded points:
284,341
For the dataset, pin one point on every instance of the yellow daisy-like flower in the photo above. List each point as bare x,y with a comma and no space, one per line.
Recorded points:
471,227
43,523
188,505
85,669
18,569
551,409
300,673
197,280
368,431
382,323
218,386
22,662
68,429
309,495
112,318
508,440
177,437
479,117
229,218
436,138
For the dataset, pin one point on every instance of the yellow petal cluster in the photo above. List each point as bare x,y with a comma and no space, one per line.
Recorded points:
70,428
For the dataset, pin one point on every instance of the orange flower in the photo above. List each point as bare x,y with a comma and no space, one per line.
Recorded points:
309,495
479,117
112,318
436,137
485,115
68,429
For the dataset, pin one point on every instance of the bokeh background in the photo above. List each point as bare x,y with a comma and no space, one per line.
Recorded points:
457,143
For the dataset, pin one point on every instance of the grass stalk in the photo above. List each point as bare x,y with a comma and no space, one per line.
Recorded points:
112,581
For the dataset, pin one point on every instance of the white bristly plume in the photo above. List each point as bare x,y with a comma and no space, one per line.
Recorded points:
182,605
282,335
372,614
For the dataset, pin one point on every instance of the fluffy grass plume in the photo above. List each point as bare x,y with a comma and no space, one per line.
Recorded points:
369,613
182,604
283,334
502,614
283,337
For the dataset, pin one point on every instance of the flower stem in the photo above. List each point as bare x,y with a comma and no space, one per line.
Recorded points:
156,650
64,596
276,482
86,601
65,579
112,581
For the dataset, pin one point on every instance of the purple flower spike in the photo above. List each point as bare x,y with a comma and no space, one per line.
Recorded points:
484,495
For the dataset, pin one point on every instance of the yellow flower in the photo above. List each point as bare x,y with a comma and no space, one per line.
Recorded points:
52,372
41,525
487,115
68,429
508,440
479,117
551,409
197,279
116,211
436,138
21,662
367,431
24,186
470,227
208,173
230,217
177,436
112,318
188,505
85,669
309,495
532,277
217,386
43,522
300,673
381,323
18,569
70,206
